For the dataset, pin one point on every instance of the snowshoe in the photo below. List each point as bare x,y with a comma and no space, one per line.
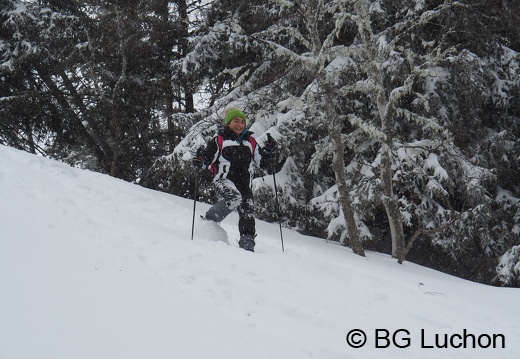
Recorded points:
218,212
247,243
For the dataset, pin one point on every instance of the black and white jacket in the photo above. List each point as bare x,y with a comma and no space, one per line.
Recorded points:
234,157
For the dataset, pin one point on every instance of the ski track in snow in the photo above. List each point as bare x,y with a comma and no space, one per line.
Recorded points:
94,267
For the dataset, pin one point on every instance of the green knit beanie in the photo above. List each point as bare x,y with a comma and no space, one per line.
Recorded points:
234,113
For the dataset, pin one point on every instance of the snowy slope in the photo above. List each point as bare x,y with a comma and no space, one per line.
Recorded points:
92,267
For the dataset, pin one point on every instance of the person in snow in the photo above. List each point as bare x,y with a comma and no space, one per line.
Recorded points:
232,157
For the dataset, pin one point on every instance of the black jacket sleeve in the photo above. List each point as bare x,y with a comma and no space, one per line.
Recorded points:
209,153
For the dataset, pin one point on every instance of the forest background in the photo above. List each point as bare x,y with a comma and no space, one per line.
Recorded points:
397,121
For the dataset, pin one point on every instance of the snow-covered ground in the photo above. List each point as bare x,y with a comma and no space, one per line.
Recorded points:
92,267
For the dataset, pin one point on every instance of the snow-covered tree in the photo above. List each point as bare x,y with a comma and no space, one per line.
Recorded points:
34,41
398,120
419,171
409,78
93,81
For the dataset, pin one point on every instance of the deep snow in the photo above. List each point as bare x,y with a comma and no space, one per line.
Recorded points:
92,267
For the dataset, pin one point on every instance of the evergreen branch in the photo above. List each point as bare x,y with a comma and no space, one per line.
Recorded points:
294,33
282,51
368,128
427,232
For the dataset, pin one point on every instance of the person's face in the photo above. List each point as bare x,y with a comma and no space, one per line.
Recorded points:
237,125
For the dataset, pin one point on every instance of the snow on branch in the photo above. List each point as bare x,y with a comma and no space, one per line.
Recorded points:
366,86
283,4
339,23
322,154
508,270
371,130
425,122
305,59
293,32
427,232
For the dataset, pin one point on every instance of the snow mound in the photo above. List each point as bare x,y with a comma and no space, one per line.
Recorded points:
206,230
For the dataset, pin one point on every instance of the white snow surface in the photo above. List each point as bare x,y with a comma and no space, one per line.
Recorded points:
92,267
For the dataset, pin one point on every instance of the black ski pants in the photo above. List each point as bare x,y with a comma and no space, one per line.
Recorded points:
238,195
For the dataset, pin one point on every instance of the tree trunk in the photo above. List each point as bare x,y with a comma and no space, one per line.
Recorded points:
390,203
338,165
115,120
189,105
93,140
95,131
166,43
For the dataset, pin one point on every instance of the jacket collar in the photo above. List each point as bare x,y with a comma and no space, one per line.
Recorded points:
230,135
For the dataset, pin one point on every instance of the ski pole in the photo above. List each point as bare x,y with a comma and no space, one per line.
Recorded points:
194,205
276,199
278,210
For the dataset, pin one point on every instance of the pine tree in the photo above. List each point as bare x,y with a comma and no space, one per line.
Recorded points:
94,83
407,79
34,47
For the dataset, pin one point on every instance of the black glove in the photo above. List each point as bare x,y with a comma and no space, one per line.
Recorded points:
198,164
269,149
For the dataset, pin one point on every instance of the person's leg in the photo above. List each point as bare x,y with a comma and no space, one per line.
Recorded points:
246,222
231,199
